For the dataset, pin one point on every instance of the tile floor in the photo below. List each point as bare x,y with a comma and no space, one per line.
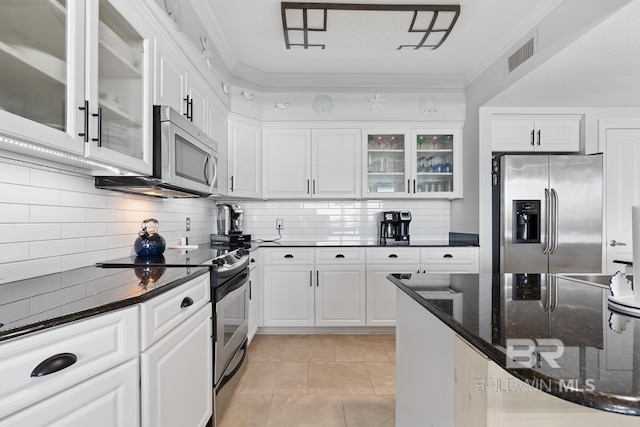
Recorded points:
316,380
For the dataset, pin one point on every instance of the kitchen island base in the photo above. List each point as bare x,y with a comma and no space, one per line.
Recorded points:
443,381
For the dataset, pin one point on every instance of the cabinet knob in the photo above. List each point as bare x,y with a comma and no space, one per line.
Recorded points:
54,364
186,302
288,256
339,256
393,256
616,243
447,256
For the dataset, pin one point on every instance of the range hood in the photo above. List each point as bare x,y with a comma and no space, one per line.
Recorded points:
145,185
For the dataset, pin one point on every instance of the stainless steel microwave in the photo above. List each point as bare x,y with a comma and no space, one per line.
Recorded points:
185,161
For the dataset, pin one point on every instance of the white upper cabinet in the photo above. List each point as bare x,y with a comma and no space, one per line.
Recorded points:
545,133
244,159
336,169
76,77
286,163
119,76
416,163
304,163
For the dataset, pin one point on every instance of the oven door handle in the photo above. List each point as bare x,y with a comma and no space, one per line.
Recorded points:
233,284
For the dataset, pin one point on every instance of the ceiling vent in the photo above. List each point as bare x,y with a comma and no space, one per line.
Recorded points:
522,54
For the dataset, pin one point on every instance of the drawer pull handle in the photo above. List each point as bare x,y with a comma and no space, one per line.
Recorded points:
54,364
447,256
186,302
393,256
339,256
288,256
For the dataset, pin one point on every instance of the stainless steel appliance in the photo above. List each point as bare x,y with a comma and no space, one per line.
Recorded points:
230,295
184,161
547,213
230,219
394,228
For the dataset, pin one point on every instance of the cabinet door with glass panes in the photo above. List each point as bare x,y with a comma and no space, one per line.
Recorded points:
386,163
119,71
42,74
436,163
76,77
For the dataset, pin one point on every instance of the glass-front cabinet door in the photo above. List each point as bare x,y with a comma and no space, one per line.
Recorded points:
39,73
436,163
386,158
118,66
75,76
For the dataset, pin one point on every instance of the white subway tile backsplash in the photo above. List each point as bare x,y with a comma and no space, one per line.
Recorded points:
13,213
73,198
83,229
12,252
57,180
28,232
22,194
104,215
49,248
14,174
39,213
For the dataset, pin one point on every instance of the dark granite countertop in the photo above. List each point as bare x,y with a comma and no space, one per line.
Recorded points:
201,256
43,302
600,364
455,239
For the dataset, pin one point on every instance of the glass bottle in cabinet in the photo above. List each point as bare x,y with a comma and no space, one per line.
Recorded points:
386,159
33,60
434,163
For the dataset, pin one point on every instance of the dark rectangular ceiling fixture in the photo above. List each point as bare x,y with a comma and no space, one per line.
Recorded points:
434,25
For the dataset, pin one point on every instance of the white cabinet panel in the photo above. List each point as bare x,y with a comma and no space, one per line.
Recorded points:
171,80
336,163
107,400
393,255
381,293
545,133
338,256
244,159
340,295
286,163
288,295
177,375
447,259
99,343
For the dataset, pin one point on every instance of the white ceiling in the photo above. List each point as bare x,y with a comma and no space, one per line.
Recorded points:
360,45
600,69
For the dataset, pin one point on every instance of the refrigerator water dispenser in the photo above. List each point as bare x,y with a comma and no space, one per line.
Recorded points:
526,221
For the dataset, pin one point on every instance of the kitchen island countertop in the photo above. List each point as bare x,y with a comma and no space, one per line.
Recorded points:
599,365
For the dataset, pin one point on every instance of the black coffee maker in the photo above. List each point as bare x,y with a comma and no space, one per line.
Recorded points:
394,228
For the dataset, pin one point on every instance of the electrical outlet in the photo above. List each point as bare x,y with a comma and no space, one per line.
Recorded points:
188,224
279,224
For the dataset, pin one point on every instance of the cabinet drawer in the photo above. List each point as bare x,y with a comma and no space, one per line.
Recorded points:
340,256
163,313
99,343
450,259
288,256
393,255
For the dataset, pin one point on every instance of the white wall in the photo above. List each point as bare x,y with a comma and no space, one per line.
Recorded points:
343,221
52,220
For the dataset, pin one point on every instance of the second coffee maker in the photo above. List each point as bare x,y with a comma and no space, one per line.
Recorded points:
394,228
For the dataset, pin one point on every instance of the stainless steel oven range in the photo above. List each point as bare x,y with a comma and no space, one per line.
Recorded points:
230,296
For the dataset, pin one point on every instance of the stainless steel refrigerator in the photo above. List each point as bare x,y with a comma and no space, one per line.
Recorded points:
547,213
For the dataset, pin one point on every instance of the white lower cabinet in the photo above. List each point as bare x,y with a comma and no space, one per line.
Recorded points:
110,399
449,260
46,365
288,295
176,369
176,375
340,295
381,293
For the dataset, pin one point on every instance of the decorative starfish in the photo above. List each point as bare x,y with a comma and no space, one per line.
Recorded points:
376,101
